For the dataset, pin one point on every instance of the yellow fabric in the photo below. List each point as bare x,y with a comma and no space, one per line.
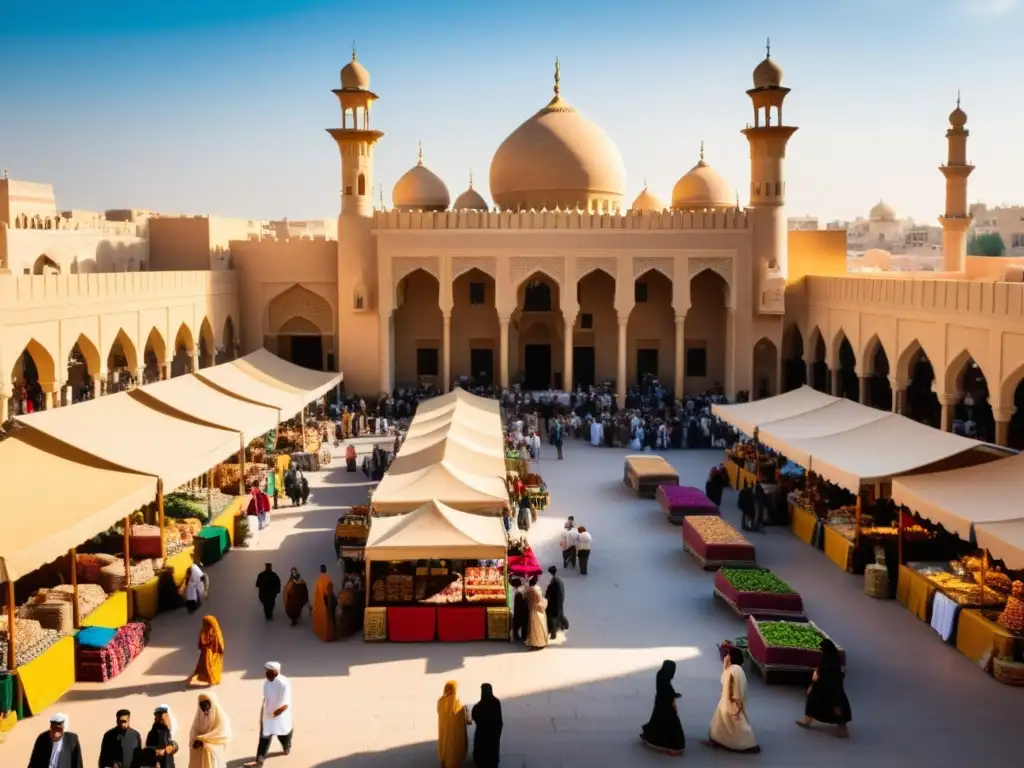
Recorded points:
732,470
436,531
265,366
192,398
226,519
211,652
977,636
915,592
802,523
452,741
112,612
838,548
986,493
747,417
323,621
49,676
145,599
121,430
180,563
744,479
91,496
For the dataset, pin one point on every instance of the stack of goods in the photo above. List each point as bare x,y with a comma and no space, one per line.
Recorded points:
397,589
112,576
51,613
788,644
521,560
678,501
485,585
757,592
30,640
145,541
354,526
964,592
1012,616
713,542
102,653
188,528
450,593
90,597
89,567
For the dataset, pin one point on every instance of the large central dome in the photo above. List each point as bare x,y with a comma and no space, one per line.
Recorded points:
558,159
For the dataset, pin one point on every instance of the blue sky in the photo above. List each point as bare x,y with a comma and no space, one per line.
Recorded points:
220,106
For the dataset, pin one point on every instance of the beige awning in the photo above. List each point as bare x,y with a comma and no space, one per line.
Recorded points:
435,531
400,493
960,498
278,372
481,441
124,432
747,417
839,416
233,381
191,398
880,450
56,497
1005,540
451,452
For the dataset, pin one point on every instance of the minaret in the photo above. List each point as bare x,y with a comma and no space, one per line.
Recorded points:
957,217
768,138
357,256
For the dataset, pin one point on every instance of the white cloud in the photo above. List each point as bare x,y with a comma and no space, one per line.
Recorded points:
990,7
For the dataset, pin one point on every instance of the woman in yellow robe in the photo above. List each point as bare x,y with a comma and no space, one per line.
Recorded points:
452,719
211,653
324,604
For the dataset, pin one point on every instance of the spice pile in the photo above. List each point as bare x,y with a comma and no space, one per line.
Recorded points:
112,576
714,530
30,638
90,597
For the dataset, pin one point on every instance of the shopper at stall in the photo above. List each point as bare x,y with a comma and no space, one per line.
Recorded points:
291,485
211,732
56,747
296,596
826,696
537,631
195,587
276,716
730,726
268,587
520,610
554,595
486,716
348,599
663,731
211,653
451,727
525,514
568,542
120,744
162,736
303,486
324,607
350,457
583,543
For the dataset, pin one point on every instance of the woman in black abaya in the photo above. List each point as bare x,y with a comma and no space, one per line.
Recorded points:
486,716
663,731
826,698
555,595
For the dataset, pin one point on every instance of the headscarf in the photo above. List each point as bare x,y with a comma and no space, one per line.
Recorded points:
663,681
488,710
213,729
211,625
169,720
831,663
449,702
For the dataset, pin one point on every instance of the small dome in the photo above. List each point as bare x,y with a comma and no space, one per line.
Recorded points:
420,189
354,76
882,212
702,187
647,201
470,200
767,74
558,159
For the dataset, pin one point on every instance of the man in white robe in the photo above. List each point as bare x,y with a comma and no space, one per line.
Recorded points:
195,588
276,713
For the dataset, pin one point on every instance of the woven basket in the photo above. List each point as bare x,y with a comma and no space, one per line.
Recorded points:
876,581
1008,672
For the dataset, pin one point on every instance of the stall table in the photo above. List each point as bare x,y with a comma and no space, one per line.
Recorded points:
802,523
112,613
838,548
678,501
213,541
411,624
978,636
915,592
731,471
46,678
645,473
144,599
727,547
461,623
768,605
774,662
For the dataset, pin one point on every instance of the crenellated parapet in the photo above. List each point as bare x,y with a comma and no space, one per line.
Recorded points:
667,220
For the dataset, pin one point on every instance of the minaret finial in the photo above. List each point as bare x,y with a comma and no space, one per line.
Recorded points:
958,98
419,159
558,77
737,199
768,48
353,50
702,150
645,181
470,178
382,196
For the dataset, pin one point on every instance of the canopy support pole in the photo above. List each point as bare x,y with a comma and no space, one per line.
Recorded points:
12,653
984,564
76,618
302,429
209,494
128,550
160,517
757,458
856,535
241,464
899,537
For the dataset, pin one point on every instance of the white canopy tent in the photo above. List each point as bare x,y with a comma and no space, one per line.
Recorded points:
265,366
785,436
748,417
435,531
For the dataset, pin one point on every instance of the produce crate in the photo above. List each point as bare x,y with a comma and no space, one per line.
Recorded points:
679,501
213,542
777,662
763,604
737,554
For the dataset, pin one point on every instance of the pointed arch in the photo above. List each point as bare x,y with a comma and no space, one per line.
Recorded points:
724,281
794,358
866,358
765,368
589,269
207,344
122,353
155,347
952,378
90,354
44,265
816,346
226,350
42,361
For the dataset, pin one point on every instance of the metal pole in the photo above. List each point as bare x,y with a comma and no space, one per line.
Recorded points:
241,465
128,551
160,517
12,654
75,610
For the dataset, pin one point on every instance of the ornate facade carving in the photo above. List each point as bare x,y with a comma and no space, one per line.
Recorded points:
719,264
521,267
587,264
298,301
463,264
663,264
402,266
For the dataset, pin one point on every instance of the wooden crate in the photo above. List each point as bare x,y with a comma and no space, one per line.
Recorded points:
375,624
498,623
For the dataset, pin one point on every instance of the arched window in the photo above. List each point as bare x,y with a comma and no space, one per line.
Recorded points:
362,184
537,297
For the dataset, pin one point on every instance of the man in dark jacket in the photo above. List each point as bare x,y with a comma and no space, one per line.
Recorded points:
555,595
268,586
120,744
57,747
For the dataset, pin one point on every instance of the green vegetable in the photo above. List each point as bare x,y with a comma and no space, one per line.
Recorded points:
756,580
790,634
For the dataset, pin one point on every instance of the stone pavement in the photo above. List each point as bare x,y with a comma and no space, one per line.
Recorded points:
580,703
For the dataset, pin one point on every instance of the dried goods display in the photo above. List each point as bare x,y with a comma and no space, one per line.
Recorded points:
398,589
714,530
51,613
714,543
756,580
1012,616
996,581
485,585
27,650
964,592
791,634
90,596
450,593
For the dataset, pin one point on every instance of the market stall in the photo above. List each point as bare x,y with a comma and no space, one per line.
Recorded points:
757,592
748,417
713,543
645,473
680,501
786,650
436,574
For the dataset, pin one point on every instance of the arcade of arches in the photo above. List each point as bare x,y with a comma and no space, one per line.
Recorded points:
956,399
549,342
300,328
39,382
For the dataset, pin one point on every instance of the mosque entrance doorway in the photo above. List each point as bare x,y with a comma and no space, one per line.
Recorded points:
584,366
646,364
304,350
537,360
481,364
